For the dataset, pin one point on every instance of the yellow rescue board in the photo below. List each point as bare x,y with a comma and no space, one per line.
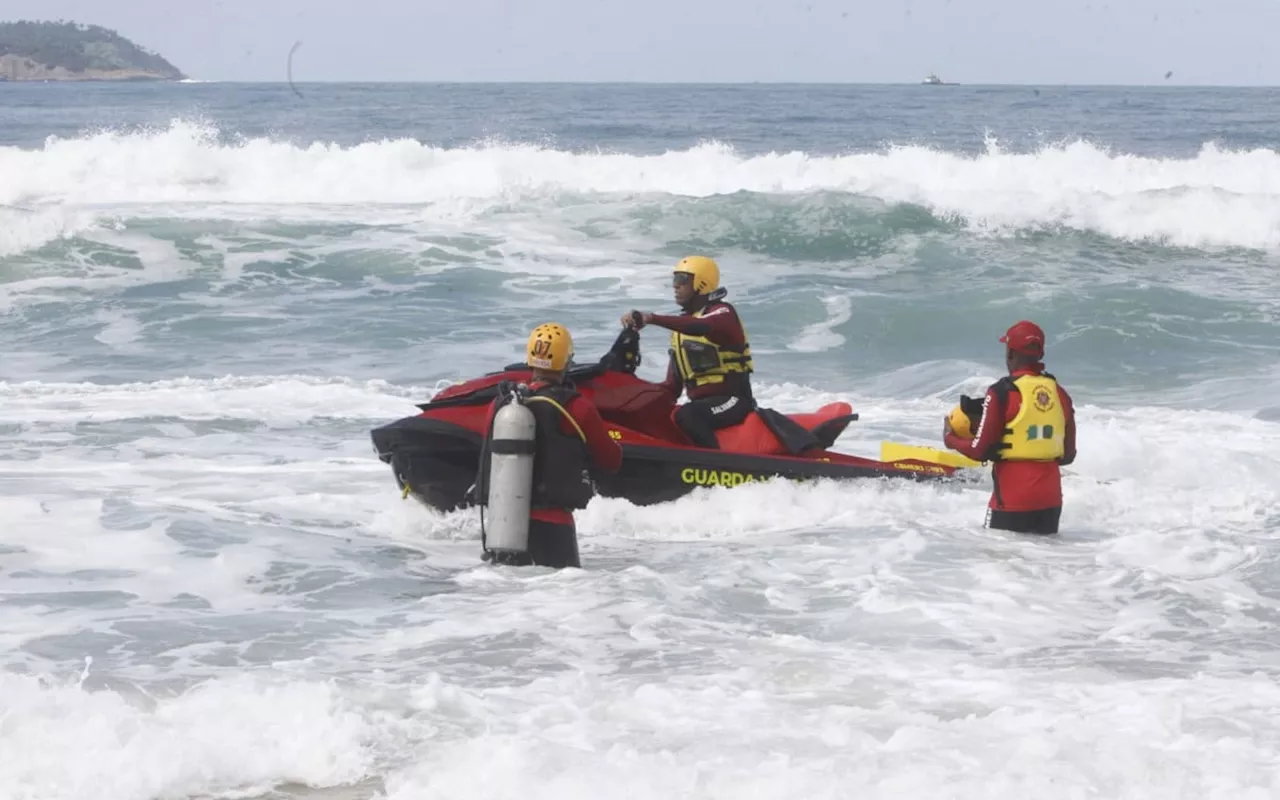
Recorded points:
896,451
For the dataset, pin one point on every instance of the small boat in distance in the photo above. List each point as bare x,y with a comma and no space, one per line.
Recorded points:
934,80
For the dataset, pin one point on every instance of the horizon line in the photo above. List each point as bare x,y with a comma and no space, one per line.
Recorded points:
578,82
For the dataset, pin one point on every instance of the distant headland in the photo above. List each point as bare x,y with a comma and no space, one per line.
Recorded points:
70,51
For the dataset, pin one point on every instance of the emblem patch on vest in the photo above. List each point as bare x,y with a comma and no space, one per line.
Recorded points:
1043,400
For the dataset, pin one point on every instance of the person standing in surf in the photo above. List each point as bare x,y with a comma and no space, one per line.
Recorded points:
1028,429
710,355
569,435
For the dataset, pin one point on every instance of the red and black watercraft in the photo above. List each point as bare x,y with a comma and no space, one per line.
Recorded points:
435,454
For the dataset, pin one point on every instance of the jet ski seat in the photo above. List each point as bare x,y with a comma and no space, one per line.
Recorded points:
771,433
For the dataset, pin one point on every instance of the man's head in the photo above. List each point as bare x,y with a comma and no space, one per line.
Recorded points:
1024,345
693,279
549,351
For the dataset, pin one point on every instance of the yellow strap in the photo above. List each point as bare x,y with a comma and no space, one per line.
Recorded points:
682,359
562,410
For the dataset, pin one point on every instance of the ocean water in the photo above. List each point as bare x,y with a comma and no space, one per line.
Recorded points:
210,587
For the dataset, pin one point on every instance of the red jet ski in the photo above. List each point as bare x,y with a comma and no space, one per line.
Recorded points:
435,455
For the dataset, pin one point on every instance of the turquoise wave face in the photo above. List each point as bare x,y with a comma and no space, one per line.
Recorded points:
839,290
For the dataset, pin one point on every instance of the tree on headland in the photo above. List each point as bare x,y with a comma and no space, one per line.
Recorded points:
80,49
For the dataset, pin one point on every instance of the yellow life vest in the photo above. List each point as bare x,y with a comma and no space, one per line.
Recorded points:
1038,431
701,361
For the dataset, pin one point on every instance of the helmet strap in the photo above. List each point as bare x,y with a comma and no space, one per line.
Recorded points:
700,301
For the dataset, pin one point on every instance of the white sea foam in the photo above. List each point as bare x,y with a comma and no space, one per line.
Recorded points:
229,540
1220,197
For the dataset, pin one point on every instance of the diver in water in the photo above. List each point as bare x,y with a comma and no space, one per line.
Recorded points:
570,434
710,355
1028,429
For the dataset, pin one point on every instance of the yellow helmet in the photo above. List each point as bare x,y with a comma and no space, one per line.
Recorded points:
705,272
960,423
550,347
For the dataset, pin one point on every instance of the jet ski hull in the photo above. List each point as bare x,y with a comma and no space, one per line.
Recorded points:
435,455
438,462
435,461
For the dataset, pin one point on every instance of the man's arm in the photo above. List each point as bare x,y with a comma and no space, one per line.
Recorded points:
721,325
605,452
1069,438
990,430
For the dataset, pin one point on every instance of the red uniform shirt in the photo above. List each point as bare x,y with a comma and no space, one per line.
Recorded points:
1018,485
720,324
605,452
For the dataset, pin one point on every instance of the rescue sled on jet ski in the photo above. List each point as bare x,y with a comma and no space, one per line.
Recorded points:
435,454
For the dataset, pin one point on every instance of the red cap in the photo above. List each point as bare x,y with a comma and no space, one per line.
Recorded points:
1026,338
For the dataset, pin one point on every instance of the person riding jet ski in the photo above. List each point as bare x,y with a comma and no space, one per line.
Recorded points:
710,354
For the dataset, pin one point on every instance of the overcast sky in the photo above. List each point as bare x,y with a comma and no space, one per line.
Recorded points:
888,41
